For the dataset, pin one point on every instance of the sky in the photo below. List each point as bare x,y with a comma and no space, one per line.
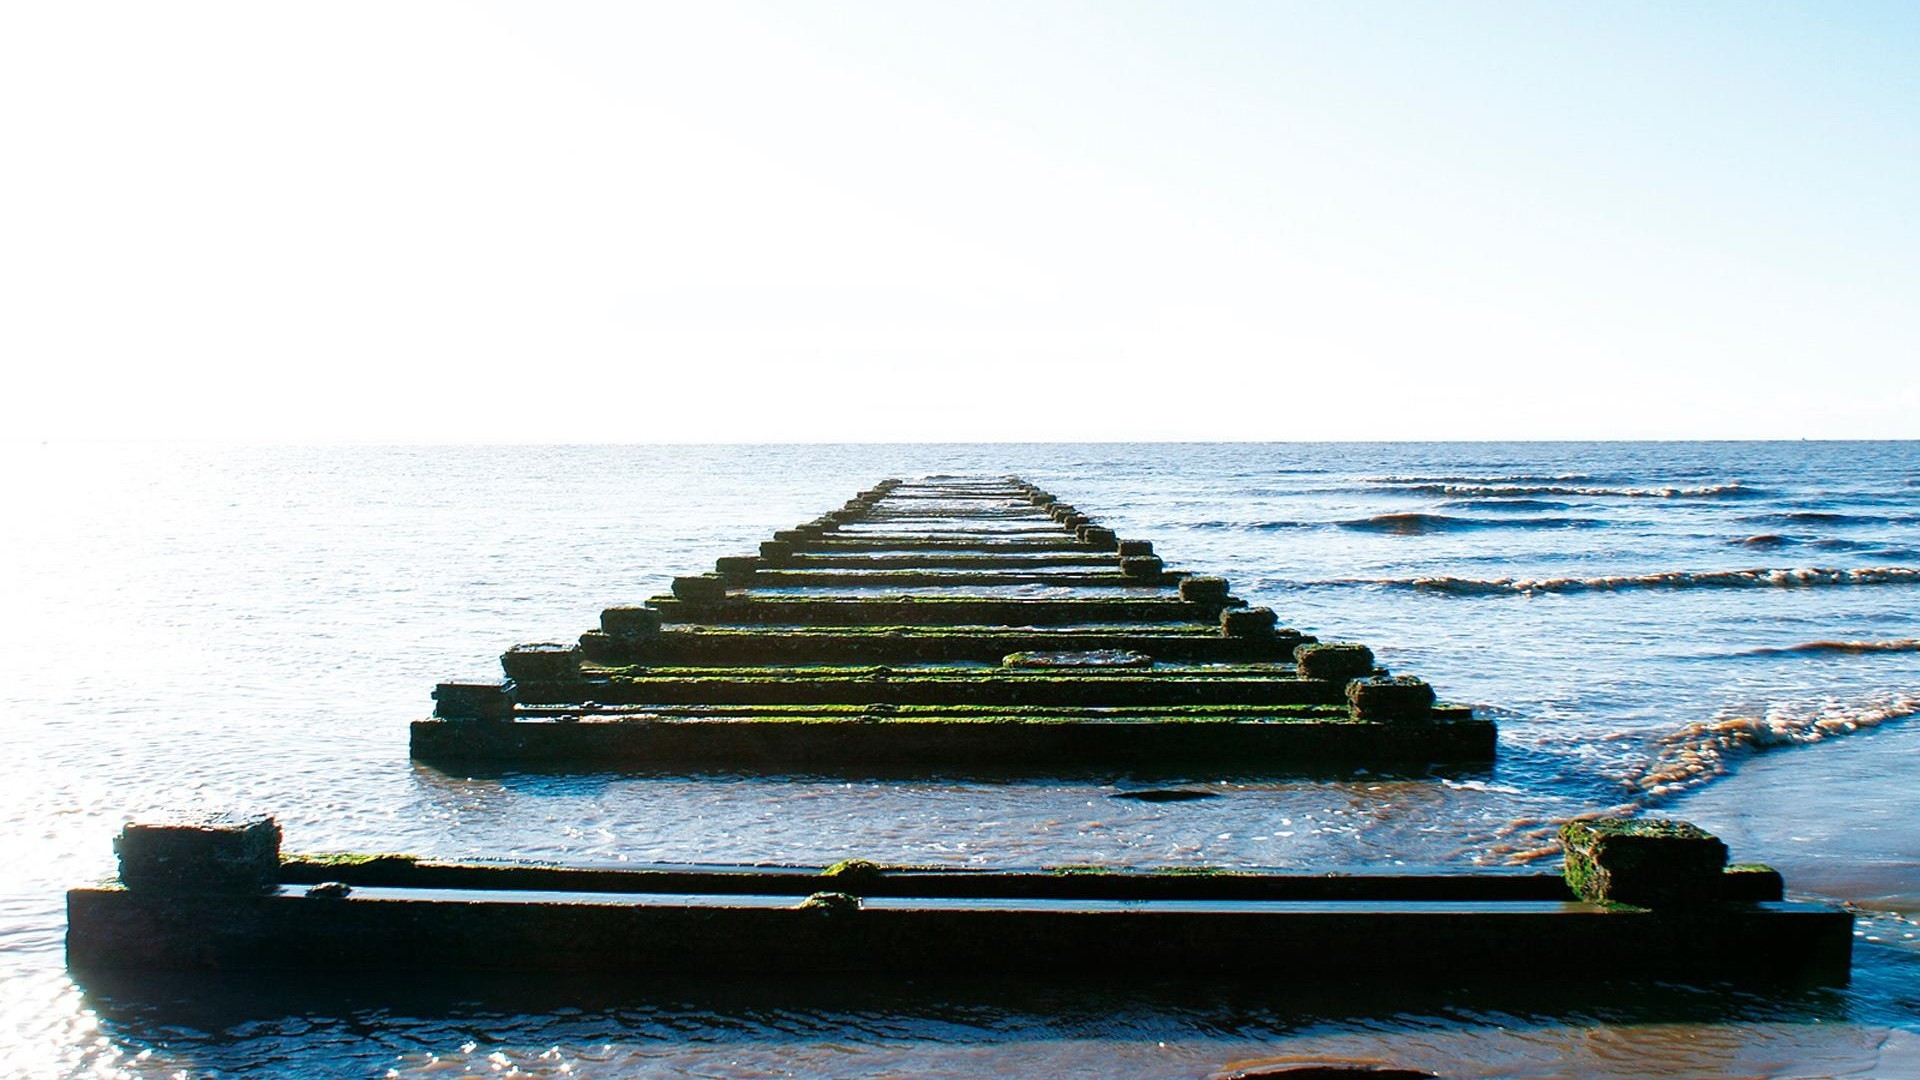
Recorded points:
1042,220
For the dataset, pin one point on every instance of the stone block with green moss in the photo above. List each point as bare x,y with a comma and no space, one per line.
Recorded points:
1645,862
703,589
200,853
1204,588
1334,661
1390,697
541,662
628,622
472,701
1248,622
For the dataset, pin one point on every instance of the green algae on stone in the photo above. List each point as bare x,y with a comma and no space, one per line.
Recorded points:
1334,661
1390,698
830,903
1644,862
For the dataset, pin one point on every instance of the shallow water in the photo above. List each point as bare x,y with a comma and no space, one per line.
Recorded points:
1718,631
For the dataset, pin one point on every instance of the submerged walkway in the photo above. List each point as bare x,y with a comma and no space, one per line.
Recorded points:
948,621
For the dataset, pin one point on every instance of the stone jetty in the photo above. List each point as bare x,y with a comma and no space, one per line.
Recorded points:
941,623
951,623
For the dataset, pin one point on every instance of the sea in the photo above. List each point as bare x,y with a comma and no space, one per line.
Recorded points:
1723,632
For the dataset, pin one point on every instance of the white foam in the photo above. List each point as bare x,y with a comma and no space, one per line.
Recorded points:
1775,578
1706,749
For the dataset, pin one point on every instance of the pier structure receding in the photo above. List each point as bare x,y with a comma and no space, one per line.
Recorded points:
948,622
951,623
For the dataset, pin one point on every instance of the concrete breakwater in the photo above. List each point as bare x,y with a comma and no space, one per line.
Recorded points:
1097,655
948,622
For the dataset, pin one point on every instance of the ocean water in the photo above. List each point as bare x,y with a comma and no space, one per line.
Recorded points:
1724,632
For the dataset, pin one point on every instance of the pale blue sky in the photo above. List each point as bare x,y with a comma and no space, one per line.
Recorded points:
773,221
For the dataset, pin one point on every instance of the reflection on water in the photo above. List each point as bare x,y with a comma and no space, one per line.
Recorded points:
955,1028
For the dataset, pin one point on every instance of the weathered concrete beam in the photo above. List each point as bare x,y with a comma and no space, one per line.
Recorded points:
938,560
1244,746
700,646
927,578
852,542
725,686
937,611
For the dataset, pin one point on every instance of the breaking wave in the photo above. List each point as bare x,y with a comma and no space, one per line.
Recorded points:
1412,524
1702,752
1505,504
1672,579
1500,491
1707,749
1814,648
1505,478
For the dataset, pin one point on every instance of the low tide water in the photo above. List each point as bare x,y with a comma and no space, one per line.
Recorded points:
1724,632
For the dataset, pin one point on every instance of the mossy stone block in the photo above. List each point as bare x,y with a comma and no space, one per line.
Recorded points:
1204,589
1061,511
1100,538
1142,567
541,662
1390,697
1333,661
704,589
775,552
1645,862
472,701
1075,521
1041,498
629,622
736,567
1248,622
832,904
794,536
200,853
1132,548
